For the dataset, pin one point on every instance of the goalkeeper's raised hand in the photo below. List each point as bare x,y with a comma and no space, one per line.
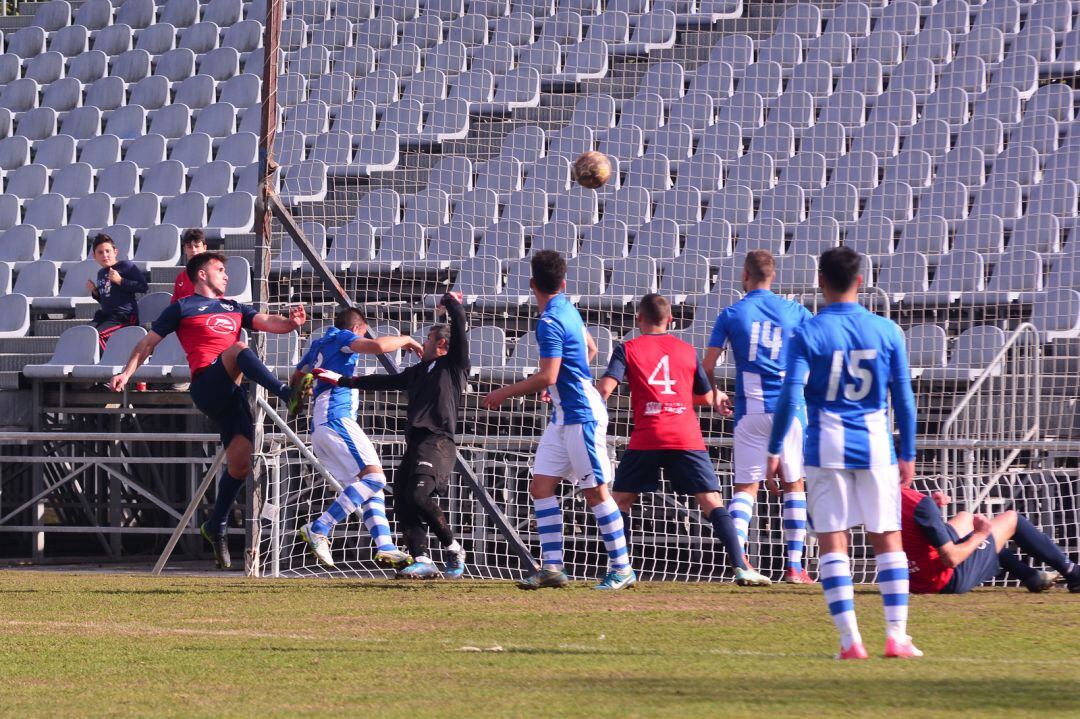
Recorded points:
334,378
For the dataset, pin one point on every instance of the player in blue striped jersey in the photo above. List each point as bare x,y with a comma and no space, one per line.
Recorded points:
340,443
848,362
573,445
758,329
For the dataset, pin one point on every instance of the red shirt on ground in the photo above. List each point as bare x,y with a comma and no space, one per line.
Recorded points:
205,327
922,531
183,287
664,375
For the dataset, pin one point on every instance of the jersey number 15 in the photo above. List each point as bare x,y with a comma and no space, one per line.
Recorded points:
864,378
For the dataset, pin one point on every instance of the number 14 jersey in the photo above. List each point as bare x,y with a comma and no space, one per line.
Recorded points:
758,328
664,375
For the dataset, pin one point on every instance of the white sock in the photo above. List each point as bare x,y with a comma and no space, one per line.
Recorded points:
834,569
893,580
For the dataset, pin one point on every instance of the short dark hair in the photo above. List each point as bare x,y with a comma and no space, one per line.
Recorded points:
191,236
548,271
200,260
442,331
760,265
655,308
839,266
100,239
348,317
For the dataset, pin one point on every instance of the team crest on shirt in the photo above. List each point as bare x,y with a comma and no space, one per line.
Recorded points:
222,324
227,307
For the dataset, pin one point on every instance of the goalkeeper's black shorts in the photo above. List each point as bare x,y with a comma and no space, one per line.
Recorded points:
429,455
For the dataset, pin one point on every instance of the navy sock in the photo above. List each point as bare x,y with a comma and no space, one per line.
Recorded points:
253,368
626,527
1042,548
1012,564
227,489
724,529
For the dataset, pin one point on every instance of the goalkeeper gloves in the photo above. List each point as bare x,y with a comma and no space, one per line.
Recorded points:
334,378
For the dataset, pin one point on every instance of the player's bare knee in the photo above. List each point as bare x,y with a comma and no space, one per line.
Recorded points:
708,501
1005,521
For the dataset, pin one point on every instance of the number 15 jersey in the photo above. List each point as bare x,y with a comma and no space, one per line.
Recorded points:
758,327
852,360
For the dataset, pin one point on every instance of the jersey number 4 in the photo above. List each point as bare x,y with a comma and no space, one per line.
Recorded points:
661,376
767,336
864,378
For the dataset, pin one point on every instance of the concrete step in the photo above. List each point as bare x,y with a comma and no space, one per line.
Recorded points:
9,380
53,328
27,345
15,362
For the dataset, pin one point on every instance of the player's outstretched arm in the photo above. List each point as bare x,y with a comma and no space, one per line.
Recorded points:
385,345
139,354
370,383
459,335
278,325
541,380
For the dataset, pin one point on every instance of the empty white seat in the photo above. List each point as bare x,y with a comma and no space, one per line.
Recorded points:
77,346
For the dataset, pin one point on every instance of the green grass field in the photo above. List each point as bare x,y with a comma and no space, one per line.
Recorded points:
74,645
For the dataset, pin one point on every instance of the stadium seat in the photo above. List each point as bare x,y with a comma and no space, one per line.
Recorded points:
77,346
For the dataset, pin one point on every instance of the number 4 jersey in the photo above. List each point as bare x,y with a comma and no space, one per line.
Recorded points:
758,328
664,375
851,360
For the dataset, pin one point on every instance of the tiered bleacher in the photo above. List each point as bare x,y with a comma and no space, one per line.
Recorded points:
935,137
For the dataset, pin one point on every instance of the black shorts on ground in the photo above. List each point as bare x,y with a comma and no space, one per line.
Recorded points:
690,471
981,566
216,395
429,455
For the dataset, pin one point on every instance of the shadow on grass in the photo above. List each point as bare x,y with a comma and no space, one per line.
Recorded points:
959,697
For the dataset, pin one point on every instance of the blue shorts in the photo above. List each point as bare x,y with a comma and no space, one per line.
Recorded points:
690,471
981,566
217,395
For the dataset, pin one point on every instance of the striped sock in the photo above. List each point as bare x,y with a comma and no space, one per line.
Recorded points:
795,528
835,574
549,527
375,521
892,577
346,503
611,527
741,510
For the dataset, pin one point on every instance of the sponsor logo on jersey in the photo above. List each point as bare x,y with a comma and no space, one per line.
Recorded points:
222,324
204,308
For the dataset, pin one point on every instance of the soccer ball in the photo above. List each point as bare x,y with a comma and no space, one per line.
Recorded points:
592,170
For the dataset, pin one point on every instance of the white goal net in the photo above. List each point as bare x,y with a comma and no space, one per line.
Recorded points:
427,145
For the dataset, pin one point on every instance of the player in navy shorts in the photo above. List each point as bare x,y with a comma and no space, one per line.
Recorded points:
666,381
208,326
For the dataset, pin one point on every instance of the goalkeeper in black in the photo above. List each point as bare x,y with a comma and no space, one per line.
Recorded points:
434,386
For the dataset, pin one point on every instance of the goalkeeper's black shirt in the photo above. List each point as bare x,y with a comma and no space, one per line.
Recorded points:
434,388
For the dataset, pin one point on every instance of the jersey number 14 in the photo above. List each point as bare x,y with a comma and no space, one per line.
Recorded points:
864,378
767,336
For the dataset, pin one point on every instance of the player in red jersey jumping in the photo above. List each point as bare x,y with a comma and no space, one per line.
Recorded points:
666,381
208,327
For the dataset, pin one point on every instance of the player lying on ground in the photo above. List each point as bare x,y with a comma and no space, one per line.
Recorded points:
573,445
340,444
434,386
208,327
956,556
851,361
758,329
666,381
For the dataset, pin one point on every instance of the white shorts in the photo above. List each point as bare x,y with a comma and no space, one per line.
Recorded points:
839,499
752,449
577,452
343,448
